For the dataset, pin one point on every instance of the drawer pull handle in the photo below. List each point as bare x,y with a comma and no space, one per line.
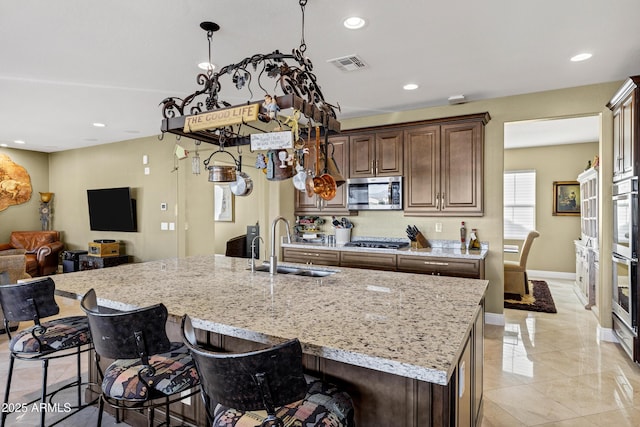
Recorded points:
436,263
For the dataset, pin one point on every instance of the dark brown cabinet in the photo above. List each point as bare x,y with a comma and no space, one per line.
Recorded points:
305,205
372,261
445,266
626,125
311,256
444,167
376,154
440,266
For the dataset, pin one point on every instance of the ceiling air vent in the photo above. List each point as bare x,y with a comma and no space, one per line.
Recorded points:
348,63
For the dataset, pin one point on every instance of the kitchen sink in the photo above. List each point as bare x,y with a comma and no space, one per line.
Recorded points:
297,271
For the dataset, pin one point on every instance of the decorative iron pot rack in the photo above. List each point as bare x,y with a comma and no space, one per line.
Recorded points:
293,74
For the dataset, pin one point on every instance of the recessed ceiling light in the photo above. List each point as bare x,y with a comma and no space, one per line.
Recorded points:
206,66
581,57
99,125
410,86
354,23
19,141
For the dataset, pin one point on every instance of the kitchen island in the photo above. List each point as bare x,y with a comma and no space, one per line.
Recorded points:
407,347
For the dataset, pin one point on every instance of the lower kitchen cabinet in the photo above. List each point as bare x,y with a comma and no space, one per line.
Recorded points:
472,268
455,267
373,261
313,256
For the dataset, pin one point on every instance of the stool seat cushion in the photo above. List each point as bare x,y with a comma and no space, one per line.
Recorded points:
59,334
324,405
174,372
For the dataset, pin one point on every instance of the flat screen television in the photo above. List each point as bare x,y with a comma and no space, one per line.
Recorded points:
112,209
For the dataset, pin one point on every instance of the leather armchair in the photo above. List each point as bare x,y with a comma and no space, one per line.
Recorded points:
42,250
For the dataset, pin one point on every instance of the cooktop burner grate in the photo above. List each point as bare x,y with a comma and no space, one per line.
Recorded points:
377,244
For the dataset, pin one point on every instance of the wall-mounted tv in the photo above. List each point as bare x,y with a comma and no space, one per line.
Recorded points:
112,209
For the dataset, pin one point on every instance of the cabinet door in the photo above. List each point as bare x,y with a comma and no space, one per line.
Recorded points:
338,205
368,260
461,153
627,137
361,155
454,267
305,205
388,160
422,170
617,142
315,256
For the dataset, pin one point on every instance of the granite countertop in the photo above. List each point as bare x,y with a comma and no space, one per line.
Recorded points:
406,324
439,248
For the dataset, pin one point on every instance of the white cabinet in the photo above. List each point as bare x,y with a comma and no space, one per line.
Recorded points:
586,285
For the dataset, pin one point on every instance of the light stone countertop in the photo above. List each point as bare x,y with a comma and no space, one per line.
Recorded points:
406,324
439,248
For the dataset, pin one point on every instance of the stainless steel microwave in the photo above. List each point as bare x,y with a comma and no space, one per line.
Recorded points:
379,193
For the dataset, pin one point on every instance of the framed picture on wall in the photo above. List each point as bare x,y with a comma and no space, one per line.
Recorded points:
566,198
222,203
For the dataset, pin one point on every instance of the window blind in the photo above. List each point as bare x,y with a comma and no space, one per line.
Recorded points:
519,203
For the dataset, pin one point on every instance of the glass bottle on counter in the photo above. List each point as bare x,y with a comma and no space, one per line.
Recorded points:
474,242
463,235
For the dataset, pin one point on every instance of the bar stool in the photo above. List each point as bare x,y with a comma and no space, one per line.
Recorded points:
44,341
265,386
148,370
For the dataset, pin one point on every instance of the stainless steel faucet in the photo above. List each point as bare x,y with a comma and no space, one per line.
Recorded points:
252,261
273,259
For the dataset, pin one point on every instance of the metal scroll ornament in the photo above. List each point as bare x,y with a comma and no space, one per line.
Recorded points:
292,72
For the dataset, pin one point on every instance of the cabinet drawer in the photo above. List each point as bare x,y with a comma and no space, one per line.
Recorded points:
368,260
314,256
471,268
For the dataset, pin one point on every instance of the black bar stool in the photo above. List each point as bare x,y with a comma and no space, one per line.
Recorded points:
148,370
265,386
44,341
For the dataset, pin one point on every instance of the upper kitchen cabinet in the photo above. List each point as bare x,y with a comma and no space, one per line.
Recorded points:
375,154
626,121
305,205
444,165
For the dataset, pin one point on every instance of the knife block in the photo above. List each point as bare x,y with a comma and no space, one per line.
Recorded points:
421,241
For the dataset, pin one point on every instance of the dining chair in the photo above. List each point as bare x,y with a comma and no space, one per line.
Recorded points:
516,280
148,370
60,337
265,388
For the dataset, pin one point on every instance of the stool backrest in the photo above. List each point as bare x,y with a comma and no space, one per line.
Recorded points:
129,334
258,380
29,301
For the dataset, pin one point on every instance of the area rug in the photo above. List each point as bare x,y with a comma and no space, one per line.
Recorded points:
538,299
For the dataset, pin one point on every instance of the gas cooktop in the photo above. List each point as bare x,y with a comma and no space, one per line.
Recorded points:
377,244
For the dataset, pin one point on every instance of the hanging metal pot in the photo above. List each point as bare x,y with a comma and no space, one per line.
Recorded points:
243,185
221,173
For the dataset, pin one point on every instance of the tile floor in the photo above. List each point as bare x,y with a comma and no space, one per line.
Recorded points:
540,370
550,370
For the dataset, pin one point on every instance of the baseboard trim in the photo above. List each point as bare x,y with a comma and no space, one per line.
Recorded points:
494,319
551,275
606,334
